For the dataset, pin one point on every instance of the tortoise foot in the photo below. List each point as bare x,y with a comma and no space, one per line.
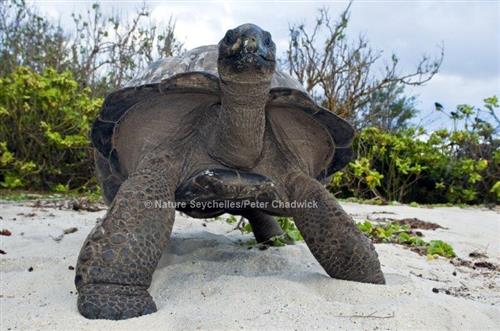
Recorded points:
114,302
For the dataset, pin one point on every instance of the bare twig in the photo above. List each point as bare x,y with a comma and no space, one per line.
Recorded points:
338,73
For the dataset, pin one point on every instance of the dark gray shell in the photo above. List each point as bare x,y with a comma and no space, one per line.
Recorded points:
201,59
196,72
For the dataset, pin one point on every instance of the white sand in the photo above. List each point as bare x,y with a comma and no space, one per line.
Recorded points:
207,281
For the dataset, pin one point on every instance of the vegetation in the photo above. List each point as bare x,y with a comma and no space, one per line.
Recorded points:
290,236
388,110
102,52
401,234
458,166
45,121
388,232
52,81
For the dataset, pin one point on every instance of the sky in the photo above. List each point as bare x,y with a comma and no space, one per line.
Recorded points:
468,30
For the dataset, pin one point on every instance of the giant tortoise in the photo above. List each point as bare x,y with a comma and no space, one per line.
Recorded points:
216,130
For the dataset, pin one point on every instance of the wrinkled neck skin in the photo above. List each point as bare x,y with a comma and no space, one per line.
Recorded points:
239,132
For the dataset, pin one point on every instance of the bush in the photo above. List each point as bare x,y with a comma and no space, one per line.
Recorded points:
44,125
458,166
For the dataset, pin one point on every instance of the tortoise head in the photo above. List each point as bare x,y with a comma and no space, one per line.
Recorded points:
247,54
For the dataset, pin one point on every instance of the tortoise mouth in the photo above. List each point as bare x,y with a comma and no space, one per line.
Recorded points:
250,58
257,65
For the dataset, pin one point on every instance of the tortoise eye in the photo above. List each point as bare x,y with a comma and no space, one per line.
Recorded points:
230,37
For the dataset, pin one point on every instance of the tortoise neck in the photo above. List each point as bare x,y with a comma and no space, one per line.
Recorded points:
239,134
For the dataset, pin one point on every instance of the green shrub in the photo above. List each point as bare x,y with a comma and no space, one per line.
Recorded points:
439,247
458,166
44,126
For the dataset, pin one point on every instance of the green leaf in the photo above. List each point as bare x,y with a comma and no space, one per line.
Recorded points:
438,247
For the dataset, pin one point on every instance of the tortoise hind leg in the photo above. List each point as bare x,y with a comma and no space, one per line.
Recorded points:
264,226
331,235
119,256
109,182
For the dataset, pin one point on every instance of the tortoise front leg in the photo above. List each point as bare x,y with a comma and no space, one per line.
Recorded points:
331,235
119,256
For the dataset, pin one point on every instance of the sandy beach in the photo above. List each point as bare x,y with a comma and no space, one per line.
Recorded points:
210,279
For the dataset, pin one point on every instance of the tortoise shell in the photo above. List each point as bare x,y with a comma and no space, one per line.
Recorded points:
195,72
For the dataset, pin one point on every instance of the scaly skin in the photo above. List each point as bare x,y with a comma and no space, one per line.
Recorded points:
119,256
331,235
264,226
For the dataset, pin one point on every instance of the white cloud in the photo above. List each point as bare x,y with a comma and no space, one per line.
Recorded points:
196,25
449,89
